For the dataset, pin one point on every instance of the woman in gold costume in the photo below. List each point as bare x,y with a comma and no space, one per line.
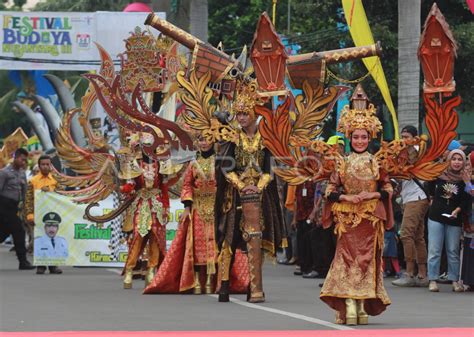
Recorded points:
358,196
193,251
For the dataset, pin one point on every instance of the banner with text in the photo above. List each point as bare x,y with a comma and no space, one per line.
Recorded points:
64,237
63,41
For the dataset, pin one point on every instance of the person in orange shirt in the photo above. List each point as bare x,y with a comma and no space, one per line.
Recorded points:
45,182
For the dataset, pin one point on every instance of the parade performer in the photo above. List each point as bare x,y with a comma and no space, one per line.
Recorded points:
247,189
359,196
244,183
193,251
148,213
358,192
137,171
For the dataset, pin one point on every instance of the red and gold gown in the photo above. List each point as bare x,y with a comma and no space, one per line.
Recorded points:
194,245
356,271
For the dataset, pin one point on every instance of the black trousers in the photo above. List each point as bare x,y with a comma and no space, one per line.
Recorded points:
316,247
10,224
303,243
323,248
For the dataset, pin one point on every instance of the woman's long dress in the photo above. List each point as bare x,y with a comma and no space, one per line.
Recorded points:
356,271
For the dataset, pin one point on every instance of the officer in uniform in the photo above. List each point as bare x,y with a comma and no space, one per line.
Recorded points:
50,245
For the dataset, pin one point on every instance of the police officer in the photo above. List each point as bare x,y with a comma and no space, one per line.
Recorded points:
12,191
49,245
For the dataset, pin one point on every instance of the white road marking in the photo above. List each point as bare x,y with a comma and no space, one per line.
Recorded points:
273,310
289,314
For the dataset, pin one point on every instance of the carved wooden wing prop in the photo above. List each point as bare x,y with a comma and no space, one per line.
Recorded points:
95,170
199,115
441,121
312,108
316,163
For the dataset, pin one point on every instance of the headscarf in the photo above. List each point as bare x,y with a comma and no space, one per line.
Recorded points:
449,174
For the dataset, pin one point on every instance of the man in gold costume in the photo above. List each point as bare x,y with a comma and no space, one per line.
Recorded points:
248,213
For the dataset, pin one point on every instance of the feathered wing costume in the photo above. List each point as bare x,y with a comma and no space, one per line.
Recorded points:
195,241
354,285
250,222
135,172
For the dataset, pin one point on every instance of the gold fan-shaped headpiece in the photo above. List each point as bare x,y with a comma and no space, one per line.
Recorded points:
353,119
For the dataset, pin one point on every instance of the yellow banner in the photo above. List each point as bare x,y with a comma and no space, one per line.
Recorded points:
362,35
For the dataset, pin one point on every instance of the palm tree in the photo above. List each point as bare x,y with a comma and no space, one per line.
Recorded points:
198,19
409,28
190,15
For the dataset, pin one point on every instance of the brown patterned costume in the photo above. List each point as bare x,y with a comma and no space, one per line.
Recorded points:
356,272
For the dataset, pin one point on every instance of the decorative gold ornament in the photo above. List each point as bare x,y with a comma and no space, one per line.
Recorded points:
199,115
246,99
353,119
164,43
141,62
129,167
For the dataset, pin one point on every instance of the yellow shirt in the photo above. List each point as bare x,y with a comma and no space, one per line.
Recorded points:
38,182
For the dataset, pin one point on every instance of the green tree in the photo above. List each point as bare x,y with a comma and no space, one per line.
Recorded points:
314,27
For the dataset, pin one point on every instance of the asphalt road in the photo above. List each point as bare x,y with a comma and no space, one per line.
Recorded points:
93,299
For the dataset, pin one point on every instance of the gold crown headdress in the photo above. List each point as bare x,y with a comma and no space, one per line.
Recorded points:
353,119
141,62
246,99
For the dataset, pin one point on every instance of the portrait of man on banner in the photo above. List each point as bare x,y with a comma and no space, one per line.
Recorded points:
50,247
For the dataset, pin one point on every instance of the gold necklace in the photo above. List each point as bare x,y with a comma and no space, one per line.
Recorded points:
250,144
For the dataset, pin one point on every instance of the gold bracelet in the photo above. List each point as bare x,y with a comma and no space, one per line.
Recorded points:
263,182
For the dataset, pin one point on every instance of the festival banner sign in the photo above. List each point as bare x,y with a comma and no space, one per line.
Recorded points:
64,237
63,40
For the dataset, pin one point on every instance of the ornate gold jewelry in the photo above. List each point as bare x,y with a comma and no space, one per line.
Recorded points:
251,144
